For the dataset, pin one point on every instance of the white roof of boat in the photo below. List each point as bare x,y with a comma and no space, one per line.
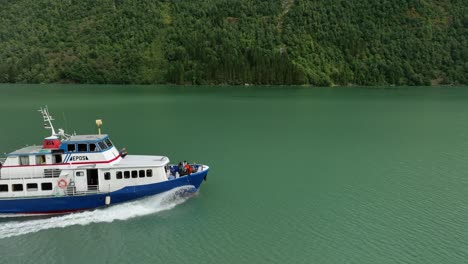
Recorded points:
142,160
29,150
87,137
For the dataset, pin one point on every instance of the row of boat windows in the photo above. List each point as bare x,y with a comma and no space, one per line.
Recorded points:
40,159
92,147
129,174
30,187
57,158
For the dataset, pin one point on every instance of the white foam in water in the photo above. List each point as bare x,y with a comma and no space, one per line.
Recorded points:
150,205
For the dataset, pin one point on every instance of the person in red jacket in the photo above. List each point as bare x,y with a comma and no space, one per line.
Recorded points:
187,167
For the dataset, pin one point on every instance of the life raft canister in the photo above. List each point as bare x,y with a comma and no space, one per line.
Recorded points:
62,184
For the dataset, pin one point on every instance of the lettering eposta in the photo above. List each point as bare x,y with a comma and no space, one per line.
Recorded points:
75,158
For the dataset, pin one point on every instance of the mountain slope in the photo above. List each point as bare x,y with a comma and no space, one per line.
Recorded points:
402,42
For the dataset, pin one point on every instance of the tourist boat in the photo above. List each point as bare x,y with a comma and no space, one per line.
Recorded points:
70,173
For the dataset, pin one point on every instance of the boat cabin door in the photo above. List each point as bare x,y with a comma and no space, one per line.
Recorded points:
81,184
92,179
86,180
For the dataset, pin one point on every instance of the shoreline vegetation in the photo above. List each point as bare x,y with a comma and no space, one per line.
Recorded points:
241,42
168,85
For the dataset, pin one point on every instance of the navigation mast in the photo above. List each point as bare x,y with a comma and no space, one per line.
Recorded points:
48,119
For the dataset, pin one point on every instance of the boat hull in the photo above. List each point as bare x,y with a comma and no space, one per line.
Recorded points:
66,204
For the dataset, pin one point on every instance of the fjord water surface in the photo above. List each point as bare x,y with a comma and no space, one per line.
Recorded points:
298,174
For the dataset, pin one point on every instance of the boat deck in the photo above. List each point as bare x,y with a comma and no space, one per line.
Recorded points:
142,161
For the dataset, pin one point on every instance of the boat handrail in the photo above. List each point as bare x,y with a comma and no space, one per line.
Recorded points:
69,191
92,189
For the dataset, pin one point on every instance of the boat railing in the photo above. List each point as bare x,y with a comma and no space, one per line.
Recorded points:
92,189
174,169
48,173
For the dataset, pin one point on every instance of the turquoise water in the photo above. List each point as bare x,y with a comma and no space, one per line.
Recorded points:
298,174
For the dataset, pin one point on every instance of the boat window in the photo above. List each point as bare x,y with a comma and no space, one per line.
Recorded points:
108,143
119,175
17,187
93,147
24,160
127,174
82,147
149,173
30,187
71,147
79,173
141,173
107,175
40,159
3,187
134,174
46,186
102,145
58,158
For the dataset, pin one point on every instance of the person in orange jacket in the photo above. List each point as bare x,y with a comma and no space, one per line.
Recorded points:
187,167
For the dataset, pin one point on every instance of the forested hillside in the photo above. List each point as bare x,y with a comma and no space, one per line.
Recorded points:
332,42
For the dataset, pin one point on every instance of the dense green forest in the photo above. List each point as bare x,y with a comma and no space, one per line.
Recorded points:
333,42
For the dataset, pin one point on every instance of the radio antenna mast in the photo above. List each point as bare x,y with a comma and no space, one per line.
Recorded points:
47,119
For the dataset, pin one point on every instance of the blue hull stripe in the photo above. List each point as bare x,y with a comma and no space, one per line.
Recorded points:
76,203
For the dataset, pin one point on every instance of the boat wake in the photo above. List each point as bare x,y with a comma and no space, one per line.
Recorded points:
147,206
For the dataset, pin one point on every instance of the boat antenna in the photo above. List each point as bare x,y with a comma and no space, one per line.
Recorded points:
47,119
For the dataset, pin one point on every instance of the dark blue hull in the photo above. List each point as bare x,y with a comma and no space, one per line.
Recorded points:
63,204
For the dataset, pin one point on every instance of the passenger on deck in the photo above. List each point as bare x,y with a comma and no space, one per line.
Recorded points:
181,169
188,168
123,153
194,168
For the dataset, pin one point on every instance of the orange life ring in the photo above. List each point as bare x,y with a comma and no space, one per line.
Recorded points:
62,184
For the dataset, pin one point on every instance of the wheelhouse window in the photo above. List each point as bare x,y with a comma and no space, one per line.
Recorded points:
141,173
107,175
31,187
126,174
3,187
134,174
102,145
46,186
71,147
119,175
57,158
24,160
108,143
149,173
93,147
17,187
40,159
82,147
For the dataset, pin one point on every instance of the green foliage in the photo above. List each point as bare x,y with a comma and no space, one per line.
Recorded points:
335,42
